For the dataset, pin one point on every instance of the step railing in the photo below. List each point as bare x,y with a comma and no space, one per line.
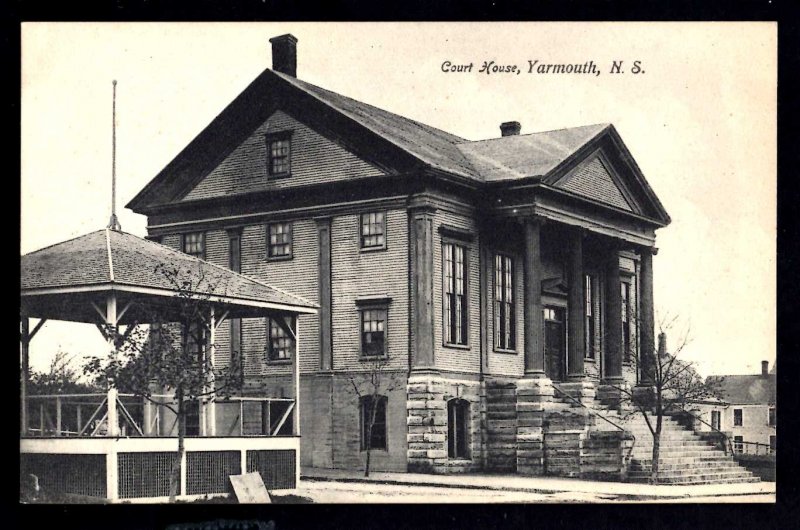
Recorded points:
752,448
727,445
597,414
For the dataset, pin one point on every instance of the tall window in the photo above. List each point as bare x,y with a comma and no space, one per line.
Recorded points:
772,416
279,240
625,296
715,419
373,332
194,244
738,444
773,443
373,230
458,428
588,298
504,318
280,346
455,294
279,153
737,417
373,411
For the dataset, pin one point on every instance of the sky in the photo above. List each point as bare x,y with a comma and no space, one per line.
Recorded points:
700,122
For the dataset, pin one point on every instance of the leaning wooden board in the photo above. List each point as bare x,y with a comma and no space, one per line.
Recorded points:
250,489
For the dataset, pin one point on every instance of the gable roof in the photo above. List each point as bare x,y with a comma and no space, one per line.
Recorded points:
414,145
747,389
114,258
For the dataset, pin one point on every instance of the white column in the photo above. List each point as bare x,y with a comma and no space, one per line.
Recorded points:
111,322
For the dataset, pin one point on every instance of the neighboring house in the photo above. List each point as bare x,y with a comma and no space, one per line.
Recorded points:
747,413
477,271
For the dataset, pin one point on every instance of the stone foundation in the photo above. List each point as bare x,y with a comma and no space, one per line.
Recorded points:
533,396
427,398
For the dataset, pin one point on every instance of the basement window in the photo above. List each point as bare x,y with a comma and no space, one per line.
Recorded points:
372,411
458,428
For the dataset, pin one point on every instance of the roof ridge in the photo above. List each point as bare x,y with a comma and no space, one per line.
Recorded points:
224,269
415,122
604,124
62,242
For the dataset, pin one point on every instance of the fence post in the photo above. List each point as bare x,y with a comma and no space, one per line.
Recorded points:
243,463
58,415
183,473
112,473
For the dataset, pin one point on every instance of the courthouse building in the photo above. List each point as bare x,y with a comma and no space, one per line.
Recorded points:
486,279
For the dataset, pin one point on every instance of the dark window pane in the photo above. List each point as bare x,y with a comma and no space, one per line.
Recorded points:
367,406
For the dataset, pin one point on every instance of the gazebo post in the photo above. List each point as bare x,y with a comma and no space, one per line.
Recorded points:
111,403
296,379
23,373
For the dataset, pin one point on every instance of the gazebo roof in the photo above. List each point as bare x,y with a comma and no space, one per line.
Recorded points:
91,266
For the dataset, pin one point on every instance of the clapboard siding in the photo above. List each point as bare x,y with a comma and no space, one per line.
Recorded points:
449,358
314,159
593,180
356,274
298,276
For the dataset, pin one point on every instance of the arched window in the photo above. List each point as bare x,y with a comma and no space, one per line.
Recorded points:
458,428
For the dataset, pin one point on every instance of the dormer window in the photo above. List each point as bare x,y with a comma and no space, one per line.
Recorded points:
279,151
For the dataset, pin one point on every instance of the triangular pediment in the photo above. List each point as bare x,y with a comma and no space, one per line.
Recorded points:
314,159
594,178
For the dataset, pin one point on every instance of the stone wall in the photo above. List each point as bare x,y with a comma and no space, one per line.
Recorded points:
428,395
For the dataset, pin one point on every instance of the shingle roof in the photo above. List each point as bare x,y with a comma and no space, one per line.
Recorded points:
434,146
503,158
529,155
748,389
114,257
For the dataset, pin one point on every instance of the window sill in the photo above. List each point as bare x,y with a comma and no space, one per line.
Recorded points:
456,346
276,176
385,450
367,250
365,358
459,459
589,360
505,352
279,258
278,362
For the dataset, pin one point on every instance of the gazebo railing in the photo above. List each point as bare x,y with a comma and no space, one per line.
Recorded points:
86,415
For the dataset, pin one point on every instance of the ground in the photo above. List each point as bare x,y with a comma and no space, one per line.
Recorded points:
355,492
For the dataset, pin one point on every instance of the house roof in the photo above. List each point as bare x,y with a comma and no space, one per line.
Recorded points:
747,389
114,260
419,145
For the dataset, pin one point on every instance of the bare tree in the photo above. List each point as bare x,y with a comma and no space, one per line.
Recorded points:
171,356
674,385
371,387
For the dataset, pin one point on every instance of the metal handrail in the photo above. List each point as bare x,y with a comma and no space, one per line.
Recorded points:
729,446
595,413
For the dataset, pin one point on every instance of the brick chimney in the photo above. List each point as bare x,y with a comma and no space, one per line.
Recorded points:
284,54
662,344
765,368
510,128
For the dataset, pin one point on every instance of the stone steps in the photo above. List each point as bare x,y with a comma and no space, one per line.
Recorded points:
684,458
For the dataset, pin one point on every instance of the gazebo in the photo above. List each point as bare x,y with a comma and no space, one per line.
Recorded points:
119,447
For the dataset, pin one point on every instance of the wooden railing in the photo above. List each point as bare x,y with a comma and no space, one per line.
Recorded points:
87,415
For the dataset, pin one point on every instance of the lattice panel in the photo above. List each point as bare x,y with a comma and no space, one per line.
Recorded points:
277,467
67,474
144,474
208,471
